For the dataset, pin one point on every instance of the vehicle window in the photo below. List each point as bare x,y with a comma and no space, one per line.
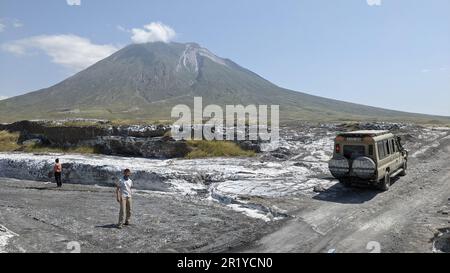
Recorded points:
354,151
381,150
394,146
371,150
386,144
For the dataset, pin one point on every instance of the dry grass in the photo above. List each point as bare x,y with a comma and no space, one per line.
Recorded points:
203,148
8,141
81,123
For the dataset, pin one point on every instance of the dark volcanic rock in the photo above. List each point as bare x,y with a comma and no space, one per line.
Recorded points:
370,126
26,139
55,135
142,147
250,146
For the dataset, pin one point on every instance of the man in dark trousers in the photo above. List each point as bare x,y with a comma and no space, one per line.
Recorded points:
57,169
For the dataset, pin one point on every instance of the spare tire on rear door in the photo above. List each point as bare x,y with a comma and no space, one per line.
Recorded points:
364,167
339,166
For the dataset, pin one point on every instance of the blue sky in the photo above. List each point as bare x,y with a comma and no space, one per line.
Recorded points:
388,53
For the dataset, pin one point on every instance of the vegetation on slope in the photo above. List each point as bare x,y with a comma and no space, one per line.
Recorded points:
204,148
8,141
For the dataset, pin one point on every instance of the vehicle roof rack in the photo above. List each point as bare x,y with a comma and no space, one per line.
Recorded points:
364,133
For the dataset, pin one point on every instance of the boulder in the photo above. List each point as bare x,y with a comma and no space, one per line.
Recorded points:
250,146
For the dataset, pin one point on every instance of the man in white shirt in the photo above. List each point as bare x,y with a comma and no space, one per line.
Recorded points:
123,195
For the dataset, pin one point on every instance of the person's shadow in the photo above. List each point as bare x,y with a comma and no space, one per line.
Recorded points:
42,188
107,226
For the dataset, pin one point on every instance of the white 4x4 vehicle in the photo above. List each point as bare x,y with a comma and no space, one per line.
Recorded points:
369,157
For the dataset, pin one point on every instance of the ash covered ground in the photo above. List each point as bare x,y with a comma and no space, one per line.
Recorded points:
282,200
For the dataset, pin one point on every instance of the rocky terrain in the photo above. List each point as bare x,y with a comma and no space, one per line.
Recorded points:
135,140
282,200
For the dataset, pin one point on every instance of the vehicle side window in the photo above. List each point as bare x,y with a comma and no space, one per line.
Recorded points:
381,150
394,146
371,150
386,144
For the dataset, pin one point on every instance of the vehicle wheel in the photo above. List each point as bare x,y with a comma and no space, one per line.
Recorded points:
386,182
405,167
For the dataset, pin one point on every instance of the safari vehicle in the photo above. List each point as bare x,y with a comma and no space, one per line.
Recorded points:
368,157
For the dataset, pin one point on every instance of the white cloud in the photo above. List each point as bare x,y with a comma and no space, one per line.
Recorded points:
434,69
14,47
73,2
70,51
17,24
374,2
153,32
7,23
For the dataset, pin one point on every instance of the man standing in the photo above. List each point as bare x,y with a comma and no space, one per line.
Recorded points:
123,195
57,169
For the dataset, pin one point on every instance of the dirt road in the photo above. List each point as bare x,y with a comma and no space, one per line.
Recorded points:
404,219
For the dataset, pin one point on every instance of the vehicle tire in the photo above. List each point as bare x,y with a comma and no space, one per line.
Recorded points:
405,167
364,167
385,183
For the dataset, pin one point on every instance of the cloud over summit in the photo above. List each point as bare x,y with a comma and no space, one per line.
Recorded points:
73,2
153,32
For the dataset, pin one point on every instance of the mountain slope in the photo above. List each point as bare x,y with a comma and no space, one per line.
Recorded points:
147,80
